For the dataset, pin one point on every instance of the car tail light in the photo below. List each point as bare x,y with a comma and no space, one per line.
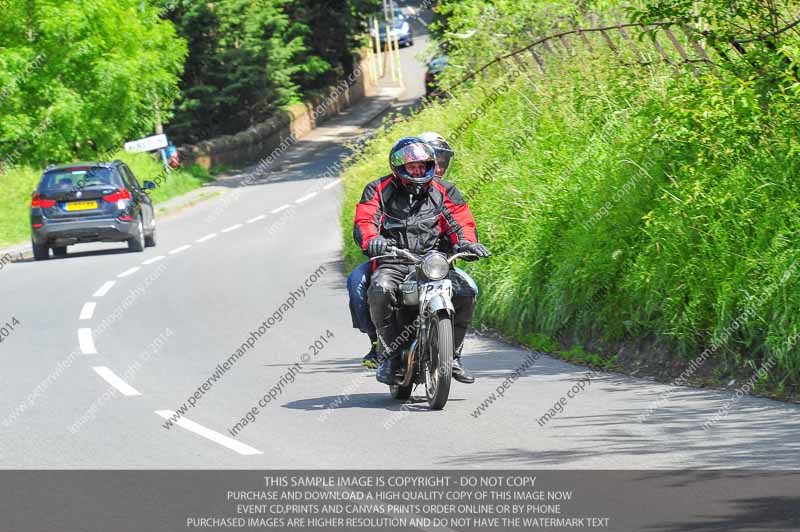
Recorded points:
125,218
37,201
120,194
37,226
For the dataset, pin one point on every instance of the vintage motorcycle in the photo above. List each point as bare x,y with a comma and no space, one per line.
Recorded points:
425,321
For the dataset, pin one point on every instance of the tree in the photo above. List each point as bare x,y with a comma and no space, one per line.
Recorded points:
82,77
247,58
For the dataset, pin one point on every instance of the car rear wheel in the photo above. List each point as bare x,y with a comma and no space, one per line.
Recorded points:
150,240
136,243
60,251
40,251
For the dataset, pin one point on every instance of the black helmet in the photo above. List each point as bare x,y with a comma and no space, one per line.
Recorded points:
412,150
444,153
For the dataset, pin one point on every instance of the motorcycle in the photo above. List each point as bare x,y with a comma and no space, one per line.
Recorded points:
425,318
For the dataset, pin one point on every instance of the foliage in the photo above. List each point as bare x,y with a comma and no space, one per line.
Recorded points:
73,82
476,31
628,203
754,37
541,342
579,355
247,58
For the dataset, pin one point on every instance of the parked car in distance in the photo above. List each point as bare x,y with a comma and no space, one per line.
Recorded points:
90,202
435,67
399,26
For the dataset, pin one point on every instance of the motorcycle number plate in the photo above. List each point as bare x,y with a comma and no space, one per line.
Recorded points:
432,289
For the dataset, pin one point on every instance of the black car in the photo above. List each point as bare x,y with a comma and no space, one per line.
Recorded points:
90,202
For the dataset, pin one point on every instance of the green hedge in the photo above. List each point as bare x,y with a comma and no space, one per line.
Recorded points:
626,203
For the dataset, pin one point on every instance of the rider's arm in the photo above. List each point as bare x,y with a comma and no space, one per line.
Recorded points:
459,223
369,213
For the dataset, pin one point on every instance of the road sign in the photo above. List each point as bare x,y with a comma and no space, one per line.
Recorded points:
156,142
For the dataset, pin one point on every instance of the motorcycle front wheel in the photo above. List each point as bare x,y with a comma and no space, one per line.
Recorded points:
439,363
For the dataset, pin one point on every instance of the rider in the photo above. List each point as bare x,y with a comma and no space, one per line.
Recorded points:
413,209
358,280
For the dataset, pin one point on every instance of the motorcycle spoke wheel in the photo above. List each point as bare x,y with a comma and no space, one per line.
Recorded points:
439,362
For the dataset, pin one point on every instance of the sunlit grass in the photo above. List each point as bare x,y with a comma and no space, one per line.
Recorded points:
627,203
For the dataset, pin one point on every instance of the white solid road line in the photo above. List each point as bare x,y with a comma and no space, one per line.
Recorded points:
332,184
103,290
257,218
207,237
112,378
231,228
306,197
86,342
279,209
129,272
178,250
88,310
212,435
154,259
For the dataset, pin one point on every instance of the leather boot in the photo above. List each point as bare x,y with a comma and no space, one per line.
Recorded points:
460,373
388,370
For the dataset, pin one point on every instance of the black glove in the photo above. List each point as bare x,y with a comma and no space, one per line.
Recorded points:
377,246
473,247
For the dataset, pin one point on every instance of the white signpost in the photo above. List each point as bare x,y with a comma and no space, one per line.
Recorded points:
156,142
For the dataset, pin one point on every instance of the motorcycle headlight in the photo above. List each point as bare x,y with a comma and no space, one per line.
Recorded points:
435,266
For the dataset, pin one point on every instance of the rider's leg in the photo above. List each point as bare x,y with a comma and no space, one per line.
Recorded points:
357,283
382,298
464,303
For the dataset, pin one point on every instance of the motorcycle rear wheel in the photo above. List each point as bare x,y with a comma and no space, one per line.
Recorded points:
439,364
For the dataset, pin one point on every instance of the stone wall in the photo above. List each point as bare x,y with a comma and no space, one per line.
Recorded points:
254,143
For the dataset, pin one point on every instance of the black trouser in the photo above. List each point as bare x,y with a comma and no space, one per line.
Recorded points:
383,301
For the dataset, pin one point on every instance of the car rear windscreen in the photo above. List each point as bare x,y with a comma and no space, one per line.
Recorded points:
77,177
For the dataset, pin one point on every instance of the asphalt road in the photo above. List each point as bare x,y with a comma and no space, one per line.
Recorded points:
93,369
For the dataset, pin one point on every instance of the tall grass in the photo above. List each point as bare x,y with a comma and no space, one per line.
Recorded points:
627,203
19,183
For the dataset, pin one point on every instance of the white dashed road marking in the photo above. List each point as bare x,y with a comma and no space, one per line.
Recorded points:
103,290
332,184
257,218
209,434
231,228
86,342
306,197
279,209
178,250
88,310
207,237
154,259
112,378
131,271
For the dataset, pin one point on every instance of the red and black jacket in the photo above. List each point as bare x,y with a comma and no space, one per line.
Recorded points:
415,223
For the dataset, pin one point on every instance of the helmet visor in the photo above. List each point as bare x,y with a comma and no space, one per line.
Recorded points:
443,158
411,153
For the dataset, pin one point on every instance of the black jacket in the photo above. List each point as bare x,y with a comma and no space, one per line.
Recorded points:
416,223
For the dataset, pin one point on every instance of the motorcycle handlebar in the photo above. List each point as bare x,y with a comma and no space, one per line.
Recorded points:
404,252
395,252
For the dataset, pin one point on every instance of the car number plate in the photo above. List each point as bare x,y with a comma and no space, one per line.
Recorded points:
81,205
